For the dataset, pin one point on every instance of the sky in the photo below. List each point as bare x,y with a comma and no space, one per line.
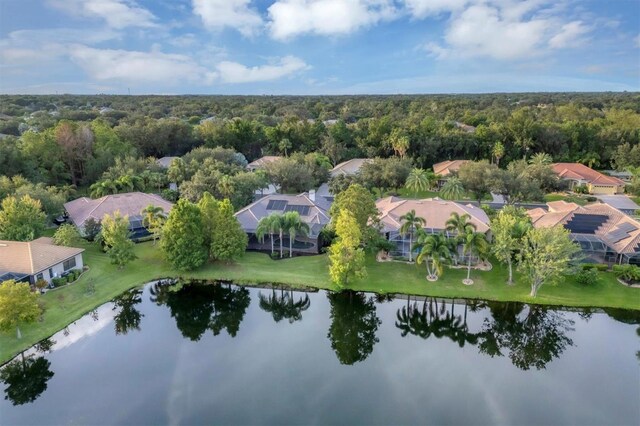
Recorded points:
318,46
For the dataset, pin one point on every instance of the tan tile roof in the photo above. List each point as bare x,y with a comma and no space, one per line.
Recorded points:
130,203
261,162
615,218
445,168
579,171
34,256
435,211
349,167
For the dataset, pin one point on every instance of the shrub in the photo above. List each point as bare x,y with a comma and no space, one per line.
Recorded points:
41,284
58,282
170,195
628,273
596,266
587,277
591,199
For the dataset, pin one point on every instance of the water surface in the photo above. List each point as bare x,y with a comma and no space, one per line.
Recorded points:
205,354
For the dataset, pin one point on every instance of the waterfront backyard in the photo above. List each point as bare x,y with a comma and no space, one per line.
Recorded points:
104,281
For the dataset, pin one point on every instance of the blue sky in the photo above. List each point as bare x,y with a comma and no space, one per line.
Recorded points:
318,46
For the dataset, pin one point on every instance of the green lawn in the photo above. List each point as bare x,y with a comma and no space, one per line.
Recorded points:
573,198
104,281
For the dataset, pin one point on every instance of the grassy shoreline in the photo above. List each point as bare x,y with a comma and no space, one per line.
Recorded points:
104,281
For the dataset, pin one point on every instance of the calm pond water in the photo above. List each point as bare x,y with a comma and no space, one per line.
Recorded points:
220,354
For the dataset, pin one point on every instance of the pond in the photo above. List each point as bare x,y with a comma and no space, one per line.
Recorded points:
220,354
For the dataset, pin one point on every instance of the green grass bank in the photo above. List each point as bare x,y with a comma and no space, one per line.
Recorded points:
104,281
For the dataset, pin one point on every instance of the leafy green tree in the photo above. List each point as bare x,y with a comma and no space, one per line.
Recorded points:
476,176
115,235
153,219
18,305
546,255
508,230
434,251
452,189
359,202
21,219
26,379
354,324
67,235
290,175
183,242
346,258
91,228
294,225
410,224
228,239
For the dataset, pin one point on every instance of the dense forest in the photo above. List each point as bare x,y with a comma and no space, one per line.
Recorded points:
75,143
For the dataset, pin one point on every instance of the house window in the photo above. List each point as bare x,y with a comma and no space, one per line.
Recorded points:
69,263
39,277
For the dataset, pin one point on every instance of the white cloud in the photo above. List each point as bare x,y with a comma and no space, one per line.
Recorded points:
142,67
217,14
116,13
233,72
484,31
25,47
570,35
290,18
424,8
502,29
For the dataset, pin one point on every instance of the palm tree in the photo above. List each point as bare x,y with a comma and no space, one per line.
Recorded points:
452,189
285,145
294,225
435,250
102,188
474,243
410,223
417,181
498,152
268,225
461,226
541,159
152,218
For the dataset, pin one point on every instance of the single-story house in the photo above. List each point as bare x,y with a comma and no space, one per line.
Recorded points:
444,169
165,162
597,183
130,204
434,211
35,260
605,234
349,167
314,212
623,175
262,161
621,202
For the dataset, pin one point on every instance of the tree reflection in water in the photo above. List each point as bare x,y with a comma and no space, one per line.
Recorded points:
533,335
282,306
428,319
353,326
198,307
128,318
26,378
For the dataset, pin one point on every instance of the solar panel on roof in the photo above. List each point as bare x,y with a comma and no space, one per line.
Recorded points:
627,227
617,235
302,210
585,223
276,205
